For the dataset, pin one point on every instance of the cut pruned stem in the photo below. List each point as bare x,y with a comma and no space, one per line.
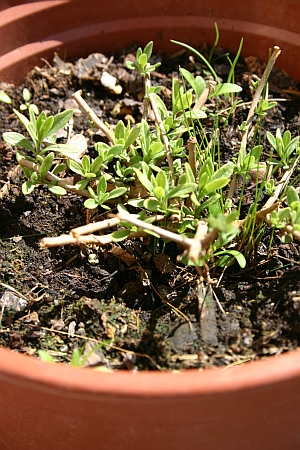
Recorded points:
50,177
195,246
92,227
67,239
130,218
260,88
91,114
210,86
254,103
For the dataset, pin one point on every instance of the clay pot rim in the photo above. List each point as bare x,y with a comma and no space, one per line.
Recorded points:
50,43
27,370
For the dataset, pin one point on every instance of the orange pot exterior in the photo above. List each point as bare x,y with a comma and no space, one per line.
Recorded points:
45,406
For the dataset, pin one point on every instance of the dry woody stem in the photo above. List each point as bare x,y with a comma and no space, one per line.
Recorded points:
50,177
91,114
253,106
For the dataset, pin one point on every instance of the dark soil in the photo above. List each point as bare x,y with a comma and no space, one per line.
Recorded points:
133,297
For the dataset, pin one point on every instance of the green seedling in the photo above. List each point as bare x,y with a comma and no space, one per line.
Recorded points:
42,131
101,196
287,219
161,191
284,145
5,98
179,182
27,105
142,64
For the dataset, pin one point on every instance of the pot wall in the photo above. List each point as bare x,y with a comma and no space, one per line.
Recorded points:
31,30
44,406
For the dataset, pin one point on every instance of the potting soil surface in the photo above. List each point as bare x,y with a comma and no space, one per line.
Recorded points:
132,299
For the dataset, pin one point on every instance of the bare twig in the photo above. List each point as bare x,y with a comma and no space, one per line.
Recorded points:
67,239
92,227
254,103
130,218
210,86
263,82
91,114
50,177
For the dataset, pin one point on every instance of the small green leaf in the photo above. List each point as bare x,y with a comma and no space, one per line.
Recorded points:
45,357
60,120
112,152
159,192
286,138
4,97
144,180
224,171
90,203
28,187
226,256
120,235
225,88
151,205
161,180
120,131
34,109
86,163
292,195
57,190
23,119
26,95
132,136
82,184
148,49
76,358
271,139
75,167
46,164
45,129
31,128
102,186
59,168
189,173
131,65
18,140
64,149
214,185
181,191
118,192
284,214
39,122
142,60
156,150
96,165
198,83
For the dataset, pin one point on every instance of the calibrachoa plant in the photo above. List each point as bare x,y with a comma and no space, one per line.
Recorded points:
157,183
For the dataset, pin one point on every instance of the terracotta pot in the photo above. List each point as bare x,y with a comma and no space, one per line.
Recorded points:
46,407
